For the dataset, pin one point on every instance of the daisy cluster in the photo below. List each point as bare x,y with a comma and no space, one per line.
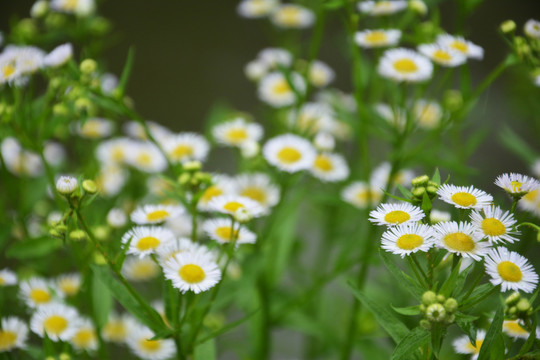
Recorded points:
285,16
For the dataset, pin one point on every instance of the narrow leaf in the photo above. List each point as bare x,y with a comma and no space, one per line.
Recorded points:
102,301
229,327
409,310
436,178
33,248
465,323
205,351
410,343
450,283
493,333
404,280
127,70
532,337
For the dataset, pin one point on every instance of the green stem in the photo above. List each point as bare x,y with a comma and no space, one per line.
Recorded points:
415,266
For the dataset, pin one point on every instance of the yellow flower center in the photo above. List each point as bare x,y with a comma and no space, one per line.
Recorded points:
210,193
289,155
323,163
428,115
459,242
442,55
509,271
493,227
84,338
376,38
254,193
118,154
2,280
516,186
182,151
459,45
144,270
69,5
409,241
144,159
147,243
464,199
150,345
405,66
7,339
8,70
68,286
282,87
40,296
232,206
192,273
225,233
383,5
236,136
515,328
475,349
91,129
396,217
157,215
289,15
115,330
55,324
531,195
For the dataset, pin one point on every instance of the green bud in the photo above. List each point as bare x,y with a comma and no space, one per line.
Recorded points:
60,110
54,20
39,9
436,312
102,232
422,308
425,324
99,259
184,179
451,305
77,235
420,181
54,233
432,183
508,26
431,190
84,105
100,26
89,186
428,298
453,100
61,228
450,319
26,29
64,356
418,192
193,166
88,66
523,305
512,310
418,6
440,298
512,299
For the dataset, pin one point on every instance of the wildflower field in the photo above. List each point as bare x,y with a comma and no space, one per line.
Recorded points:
364,185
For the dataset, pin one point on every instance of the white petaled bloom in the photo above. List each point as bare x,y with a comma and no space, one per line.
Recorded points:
7,278
255,70
313,117
192,271
385,7
229,204
405,65
221,185
25,59
381,175
408,238
37,292
461,238
77,7
146,157
250,149
258,187
54,153
220,229
324,141
109,83
59,321
532,28
237,132
274,58
85,337
444,56
428,114
330,167
140,344
515,329
66,185
531,202
467,48
137,269
116,218
135,130
145,240
254,9
117,327
290,153
510,270
187,146
95,128
111,180
13,334
155,214
19,161
495,225
464,197
396,117
516,184
276,91
69,284
320,74
59,56
114,151
181,245
54,218
360,195
462,345
395,214
292,16
377,38
437,216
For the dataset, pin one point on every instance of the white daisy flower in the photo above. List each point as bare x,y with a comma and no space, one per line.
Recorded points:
464,197
77,7
514,329
146,157
145,240
237,132
516,184
85,337
320,74
7,278
27,59
275,57
275,90
109,83
377,38
396,117
116,218
69,284
66,185
187,146
385,7
13,334
229,204
114,151
444,56
402,64
408,238
220,229
258,187
58,56
381,175
254,9
494,224
181,226
437,216
292,16
255,70
59,321
461,239
290,153
95,128
510,270
137,269
155,214
428,114
9,72
395,214
117,327
462,345
192,271
221,185
140,344
360,195
330,167
531,202
532,28
458,43
37,292
135,130
324,141
313,117
54,153
181,245
111,179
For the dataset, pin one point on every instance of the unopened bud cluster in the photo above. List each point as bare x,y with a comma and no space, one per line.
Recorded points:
436,308
194,179
517,307
423,185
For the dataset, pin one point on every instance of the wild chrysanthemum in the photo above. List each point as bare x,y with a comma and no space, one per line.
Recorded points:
408,238
69,284
111,180
85,337
220,229
179,246
58,56
117,327
360,195
186,147
274,58
145,240
13,333
494,224
95,128
510,270
377,38
275,90
258,187
116,218
464,197
405,65
7,277
140,344
57,320
155,214
330,167
290,153
137,269
515,329
462,345
444,56
254,9
531,202
385,7
428,114
395,214
230,204
292,16
114,151
237,132
135,130
460,238
192,271
320,74
37,292
221,185
313,117
532,28
146,157
66,185
516,184
462,45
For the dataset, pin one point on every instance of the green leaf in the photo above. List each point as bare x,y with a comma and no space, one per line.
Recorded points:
205,351
436,178
465,322
437,335
404,280
33,248
410,343
478,292
518,146
229,327
426,204
532,337
404,191
495,329
334,4
102,301
127,70
395,328
409,310
450,283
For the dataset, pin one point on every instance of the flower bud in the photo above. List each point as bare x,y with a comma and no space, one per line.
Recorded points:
453,100
440,298
422,308
450,319
60,110
64,356
418,6
436,312
88,66
77,235
324,141
425,324
450,305
418,192
508,26
184,179
428,298
89,186
101,233
99,259
420,180
193,166
512,310
523,305
66,185
39,9
431,190
512,299
243,215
